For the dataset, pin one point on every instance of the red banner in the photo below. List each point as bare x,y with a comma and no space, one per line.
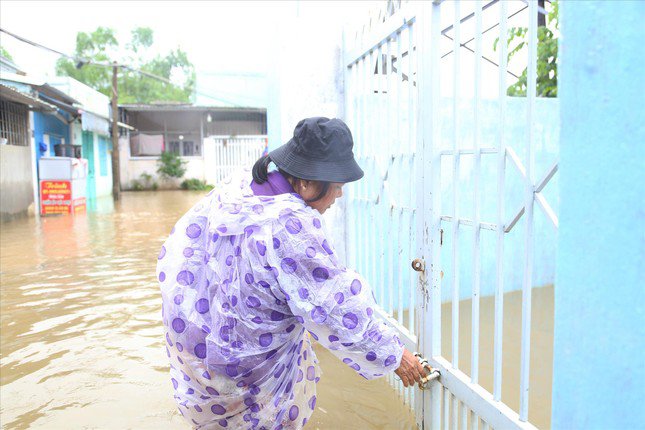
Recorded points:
56,198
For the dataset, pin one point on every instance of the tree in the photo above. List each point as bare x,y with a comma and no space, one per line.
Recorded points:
5,53
547,56
102,46
170,165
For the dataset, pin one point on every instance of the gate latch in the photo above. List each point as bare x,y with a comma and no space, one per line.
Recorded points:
434,374
418,264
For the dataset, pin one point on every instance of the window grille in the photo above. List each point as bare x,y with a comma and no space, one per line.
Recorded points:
14,123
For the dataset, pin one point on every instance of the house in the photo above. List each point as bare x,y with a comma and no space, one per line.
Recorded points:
18,180
90,131
59,117
212,140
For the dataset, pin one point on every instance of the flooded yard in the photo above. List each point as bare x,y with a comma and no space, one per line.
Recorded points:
82,341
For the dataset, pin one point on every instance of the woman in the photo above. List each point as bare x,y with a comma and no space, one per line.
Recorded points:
248,272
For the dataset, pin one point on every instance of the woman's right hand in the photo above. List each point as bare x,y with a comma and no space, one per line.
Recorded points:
410,370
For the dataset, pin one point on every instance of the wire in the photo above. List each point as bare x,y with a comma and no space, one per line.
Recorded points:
37,45
84,61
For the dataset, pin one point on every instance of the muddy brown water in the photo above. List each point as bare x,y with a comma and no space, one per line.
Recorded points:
82,343
81,337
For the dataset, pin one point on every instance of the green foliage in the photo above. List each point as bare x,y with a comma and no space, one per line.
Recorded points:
102,46
195,185
5,54
171,166
547,56
145,182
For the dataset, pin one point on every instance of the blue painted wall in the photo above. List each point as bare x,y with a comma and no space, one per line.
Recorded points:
599,377
546,126
54,127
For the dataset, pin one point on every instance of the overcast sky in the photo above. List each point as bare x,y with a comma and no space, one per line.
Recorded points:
218,36
229,36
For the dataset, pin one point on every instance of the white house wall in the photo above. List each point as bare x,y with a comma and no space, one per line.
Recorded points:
16,190
308,81
131,168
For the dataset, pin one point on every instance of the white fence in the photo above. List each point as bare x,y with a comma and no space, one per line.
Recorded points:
231,153
431,144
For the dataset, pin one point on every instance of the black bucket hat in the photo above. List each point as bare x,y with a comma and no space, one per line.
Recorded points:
320,150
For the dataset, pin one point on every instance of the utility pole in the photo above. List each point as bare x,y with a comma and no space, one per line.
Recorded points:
116,177
541,16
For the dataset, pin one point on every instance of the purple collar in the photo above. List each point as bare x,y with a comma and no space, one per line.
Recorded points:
275,184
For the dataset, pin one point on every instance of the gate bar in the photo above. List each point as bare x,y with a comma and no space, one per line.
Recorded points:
429,75
455,180
399,20
474,369
387,138
501,177
525,354
380,129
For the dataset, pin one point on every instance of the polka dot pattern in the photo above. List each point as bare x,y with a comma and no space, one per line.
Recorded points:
243,278
193,231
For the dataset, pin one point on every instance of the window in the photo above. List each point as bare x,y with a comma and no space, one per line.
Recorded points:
185,148
14,124
174,146
103,154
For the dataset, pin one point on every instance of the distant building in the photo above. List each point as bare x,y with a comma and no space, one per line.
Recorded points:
211,139
18,181
89,131
61,117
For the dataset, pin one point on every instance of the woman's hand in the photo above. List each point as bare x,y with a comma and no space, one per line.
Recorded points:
410,370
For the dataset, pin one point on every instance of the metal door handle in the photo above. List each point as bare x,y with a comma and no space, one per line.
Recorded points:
434,374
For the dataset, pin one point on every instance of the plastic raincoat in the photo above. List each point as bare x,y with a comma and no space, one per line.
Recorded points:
244,278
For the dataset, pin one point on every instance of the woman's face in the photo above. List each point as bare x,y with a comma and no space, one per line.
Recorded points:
309,190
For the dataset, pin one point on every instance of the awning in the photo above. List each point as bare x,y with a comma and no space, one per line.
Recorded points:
12,95
57,94
109,120
94,123
75,111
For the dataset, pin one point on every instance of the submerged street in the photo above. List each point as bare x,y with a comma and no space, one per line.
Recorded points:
82,340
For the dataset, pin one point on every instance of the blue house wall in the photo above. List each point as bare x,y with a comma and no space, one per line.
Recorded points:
598,372
51,125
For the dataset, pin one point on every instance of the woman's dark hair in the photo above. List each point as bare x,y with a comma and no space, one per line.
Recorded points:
261,175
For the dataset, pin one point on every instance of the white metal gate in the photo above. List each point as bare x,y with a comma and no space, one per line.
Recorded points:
408,120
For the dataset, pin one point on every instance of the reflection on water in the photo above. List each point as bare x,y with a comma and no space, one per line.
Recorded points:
82,343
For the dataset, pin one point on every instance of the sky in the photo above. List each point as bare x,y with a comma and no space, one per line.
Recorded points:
218,36
230,43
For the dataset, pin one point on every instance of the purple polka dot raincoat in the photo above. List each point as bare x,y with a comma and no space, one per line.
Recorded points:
244,280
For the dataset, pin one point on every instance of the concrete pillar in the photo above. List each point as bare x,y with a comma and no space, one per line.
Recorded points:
599,375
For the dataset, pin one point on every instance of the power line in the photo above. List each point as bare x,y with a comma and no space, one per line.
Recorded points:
82,61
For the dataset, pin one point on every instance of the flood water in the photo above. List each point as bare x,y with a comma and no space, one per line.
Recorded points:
541,359
82,341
